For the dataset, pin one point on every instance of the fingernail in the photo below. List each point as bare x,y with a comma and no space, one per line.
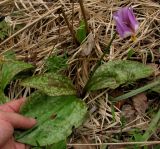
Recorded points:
33,121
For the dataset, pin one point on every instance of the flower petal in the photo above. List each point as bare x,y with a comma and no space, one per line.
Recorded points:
122,29
123,13
133,22
126,22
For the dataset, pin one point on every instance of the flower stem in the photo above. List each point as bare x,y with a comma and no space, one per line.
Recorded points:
97,65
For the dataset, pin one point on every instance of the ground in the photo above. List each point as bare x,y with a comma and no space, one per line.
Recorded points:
39,29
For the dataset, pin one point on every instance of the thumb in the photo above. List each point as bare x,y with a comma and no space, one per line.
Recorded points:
6,131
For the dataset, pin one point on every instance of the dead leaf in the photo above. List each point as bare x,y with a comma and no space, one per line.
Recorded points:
84,140
9,21
85,72
88,45
156,68
128,112
120,104
140,103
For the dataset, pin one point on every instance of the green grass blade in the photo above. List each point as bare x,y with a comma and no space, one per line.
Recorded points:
137,91
152,127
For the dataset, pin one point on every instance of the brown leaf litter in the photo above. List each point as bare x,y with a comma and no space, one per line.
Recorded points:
84,140
39,29
140,103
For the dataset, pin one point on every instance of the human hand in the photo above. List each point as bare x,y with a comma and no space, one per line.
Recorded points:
10,119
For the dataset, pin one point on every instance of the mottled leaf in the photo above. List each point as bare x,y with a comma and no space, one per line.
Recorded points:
114,73
56,116
52,84
10,68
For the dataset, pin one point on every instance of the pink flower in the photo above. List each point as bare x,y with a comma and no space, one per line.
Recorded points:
126,23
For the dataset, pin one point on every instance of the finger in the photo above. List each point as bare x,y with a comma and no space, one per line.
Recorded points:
9,145
6,132
12,106
20,145
28,147
17,120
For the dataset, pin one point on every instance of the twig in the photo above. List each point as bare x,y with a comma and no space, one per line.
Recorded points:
84,15
69,26
72,13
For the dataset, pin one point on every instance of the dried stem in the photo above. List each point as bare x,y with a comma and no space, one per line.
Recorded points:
98,64
72,14
69,26
84,15
4,2
121,143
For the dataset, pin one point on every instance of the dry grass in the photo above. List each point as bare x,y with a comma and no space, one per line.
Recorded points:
42,31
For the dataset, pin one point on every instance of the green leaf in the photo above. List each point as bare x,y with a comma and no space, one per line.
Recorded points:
157,146
4,28
10,55
59,145
50,83
3,98
56,116
130,53
114,73
81,32
10,68
153,126
56,63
